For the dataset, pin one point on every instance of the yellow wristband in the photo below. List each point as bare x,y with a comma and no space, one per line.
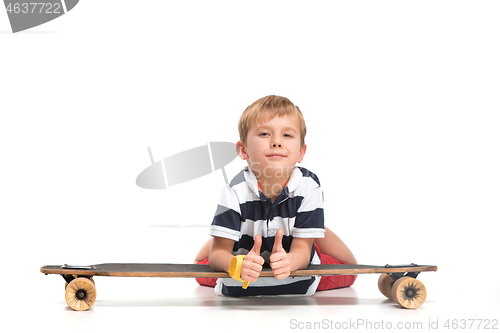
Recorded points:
235,269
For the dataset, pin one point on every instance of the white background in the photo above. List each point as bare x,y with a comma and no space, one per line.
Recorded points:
401,100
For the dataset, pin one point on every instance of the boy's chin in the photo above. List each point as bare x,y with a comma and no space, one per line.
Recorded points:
273,170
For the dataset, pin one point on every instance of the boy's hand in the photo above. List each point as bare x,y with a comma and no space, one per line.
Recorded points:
280,262
252,265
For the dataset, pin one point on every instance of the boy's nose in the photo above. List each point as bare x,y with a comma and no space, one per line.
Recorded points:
276,145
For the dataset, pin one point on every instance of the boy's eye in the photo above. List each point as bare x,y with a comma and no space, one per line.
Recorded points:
287,136
264,134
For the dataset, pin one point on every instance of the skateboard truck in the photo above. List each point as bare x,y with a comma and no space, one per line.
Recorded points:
68,277
66,266
396,276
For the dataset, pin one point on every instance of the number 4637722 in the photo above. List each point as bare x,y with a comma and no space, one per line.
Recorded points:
34,8
479,324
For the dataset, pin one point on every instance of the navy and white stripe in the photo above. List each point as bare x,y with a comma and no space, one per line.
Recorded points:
244,212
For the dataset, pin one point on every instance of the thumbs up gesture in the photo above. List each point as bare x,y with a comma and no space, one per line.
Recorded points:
280,262
252,265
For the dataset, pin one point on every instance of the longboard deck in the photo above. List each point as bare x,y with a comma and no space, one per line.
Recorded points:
204,271
402,286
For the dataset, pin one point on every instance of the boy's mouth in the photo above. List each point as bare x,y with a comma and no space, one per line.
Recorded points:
275,156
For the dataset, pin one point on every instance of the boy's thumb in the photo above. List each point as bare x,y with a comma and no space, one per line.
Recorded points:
257,244
278,239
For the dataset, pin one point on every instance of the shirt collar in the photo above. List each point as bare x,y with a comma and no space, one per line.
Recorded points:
293,181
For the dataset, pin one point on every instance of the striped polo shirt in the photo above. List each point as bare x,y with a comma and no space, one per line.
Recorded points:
244,212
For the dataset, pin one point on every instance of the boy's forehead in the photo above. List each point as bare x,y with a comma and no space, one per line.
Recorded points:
288,120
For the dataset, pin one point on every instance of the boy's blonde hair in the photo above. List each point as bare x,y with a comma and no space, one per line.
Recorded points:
266,109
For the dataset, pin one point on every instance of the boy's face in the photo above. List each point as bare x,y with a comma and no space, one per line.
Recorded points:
273,147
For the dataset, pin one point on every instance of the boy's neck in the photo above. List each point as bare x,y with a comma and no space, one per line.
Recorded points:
272,187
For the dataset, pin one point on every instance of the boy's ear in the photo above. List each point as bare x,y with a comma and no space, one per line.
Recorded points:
302,153
240,149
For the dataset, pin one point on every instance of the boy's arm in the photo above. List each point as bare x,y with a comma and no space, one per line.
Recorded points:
283,263
221,254
300,253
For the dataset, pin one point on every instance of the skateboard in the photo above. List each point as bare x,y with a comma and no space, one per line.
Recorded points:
397,283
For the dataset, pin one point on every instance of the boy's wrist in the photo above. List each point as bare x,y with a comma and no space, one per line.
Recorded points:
235,269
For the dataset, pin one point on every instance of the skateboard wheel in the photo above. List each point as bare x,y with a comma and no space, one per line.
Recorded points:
80,294
410,293
385,282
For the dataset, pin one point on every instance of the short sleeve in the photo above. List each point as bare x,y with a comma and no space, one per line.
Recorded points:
227,219
310,219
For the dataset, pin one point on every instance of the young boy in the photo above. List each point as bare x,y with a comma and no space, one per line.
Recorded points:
272,211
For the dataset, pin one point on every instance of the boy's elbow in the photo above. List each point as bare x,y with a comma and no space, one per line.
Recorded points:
351,261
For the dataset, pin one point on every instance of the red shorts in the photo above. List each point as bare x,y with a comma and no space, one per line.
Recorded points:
326,282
